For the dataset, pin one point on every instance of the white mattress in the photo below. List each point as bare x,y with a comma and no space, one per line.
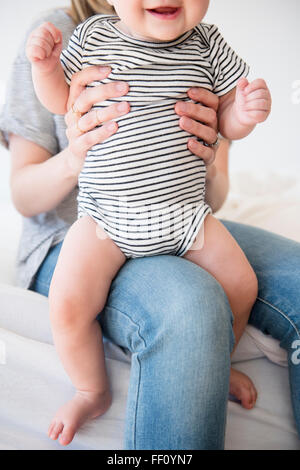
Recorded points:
34,384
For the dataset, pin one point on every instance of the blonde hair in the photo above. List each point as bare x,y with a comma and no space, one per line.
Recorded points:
80,10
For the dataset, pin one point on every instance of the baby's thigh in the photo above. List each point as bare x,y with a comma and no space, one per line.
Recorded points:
221,256
87,263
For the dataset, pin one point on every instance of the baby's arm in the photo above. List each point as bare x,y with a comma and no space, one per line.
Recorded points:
244,107
43,50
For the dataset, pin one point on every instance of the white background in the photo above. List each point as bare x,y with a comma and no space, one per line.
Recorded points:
266,33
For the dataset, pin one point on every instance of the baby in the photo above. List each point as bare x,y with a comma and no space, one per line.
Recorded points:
142,192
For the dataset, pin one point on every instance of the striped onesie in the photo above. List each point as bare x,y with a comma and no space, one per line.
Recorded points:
142,185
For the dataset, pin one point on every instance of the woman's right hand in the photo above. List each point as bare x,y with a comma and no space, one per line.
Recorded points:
81,121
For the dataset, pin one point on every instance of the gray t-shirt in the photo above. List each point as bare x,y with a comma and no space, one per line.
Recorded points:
24,115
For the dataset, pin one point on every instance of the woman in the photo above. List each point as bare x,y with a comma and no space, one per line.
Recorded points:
165,410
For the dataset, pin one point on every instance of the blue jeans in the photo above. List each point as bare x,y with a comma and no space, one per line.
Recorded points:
276,261
176,321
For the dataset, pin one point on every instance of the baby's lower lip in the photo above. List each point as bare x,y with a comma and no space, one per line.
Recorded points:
165,13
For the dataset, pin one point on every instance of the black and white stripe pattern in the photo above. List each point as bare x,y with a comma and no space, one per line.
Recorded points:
142,185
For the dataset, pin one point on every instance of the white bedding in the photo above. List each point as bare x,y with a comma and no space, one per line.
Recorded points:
33,382
270,201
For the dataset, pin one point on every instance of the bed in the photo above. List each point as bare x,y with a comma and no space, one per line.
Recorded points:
34,384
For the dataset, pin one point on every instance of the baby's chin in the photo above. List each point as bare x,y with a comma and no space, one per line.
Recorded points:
165,36
165,32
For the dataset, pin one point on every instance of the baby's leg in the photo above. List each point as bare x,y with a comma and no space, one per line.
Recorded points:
85,269
222,257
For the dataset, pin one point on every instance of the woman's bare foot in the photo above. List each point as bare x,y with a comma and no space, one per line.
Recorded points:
242,387
83,406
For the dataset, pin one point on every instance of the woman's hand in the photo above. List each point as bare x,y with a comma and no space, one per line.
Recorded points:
201,121
81,121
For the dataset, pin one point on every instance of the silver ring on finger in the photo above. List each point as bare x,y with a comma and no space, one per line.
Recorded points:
214,145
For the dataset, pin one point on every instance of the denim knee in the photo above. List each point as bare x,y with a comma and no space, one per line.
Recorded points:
198,313
168,297
176,320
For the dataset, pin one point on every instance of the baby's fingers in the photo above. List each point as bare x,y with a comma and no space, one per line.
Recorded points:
43,41
260,94
38,49
50,33
258,116
258,105
257,84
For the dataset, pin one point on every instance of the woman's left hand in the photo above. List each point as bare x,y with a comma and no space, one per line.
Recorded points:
200,120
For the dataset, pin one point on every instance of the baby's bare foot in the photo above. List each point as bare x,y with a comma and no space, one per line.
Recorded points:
83,406
242,387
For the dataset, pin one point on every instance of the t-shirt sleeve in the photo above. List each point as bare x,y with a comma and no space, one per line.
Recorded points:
22,113
71,57
227,65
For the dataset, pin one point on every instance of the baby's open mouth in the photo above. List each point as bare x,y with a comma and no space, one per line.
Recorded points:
165,12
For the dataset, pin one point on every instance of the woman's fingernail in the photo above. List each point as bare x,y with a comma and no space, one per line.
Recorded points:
182,107
111,126
193,91
193,143
121,87
186,122
104,69
122,106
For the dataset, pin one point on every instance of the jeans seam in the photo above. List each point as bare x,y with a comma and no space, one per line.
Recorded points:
281,313
136,405
139,377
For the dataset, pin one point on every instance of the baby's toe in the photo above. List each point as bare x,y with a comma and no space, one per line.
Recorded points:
247,398
253,395
55,430
67,435
50,429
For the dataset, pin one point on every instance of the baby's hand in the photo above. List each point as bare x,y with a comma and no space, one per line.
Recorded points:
252,101
44,46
